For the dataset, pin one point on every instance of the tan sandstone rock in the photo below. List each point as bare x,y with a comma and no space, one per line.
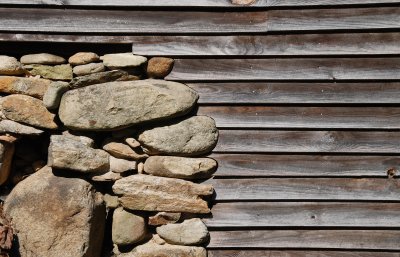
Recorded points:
10,66
121,165
82,58
163,218
42,58
122,60
34,87
128,228
120,150
89,68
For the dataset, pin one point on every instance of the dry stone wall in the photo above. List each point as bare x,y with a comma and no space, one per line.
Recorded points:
101,157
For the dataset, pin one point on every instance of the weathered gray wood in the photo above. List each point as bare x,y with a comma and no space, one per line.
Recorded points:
286,69
261,141
300,214
310,189
298,93
269,45
360,118
248,165
307,239
292,253
181,22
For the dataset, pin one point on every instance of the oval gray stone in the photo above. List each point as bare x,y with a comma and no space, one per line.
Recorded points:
115,105
194,136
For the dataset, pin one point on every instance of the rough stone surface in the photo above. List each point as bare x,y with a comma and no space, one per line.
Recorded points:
150,193
66,152
87,141
111,201
123,60
121,165
127,228
9,126
82,58
35,87
6,155
58,72
72,225
10,66
43,58
152,249
27,110
132,142
115,105
100,77
193,136
189,232
163,218
120,150
52,97
159,67
180,167
89,68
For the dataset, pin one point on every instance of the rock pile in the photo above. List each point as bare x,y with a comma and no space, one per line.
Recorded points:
101,157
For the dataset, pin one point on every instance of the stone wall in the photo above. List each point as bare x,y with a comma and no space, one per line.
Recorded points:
101,157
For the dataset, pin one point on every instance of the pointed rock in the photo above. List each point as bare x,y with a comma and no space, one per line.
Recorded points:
43,58
189,232
10,66
83,58
34,87
149,193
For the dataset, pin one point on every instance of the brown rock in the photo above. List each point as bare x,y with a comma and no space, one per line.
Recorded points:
35,87
140,168
128,228
150,193
27,110
121,165
83,58
163,218
10,66
132,142
120,150
6,155
108,176
159,67
43,58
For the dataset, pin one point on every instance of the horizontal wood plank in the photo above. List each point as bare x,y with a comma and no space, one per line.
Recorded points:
269,45
293,253
307,239
330,69
360,118
278,141
290,214
183,22
262,165
298,93
309,189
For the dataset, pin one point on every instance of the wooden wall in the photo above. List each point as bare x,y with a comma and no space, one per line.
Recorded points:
306,95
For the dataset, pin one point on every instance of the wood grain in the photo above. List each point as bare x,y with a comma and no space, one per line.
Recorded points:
307,239
269,45
263,165
298,214
309,189
183,22
278,141
330,69
293,253
360,118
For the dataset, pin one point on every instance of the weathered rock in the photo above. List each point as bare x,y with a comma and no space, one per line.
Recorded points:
193,136
111,201
10,66
128,228
152,249
6,155
83,58
53,95
180,167
114,105
189,232
27,110
108,176
87,141
68,153
132,142
121,165
159,67
9,126
120,150
35,87
122,60
89,68
140,167
43,58
58,72
150,193
100,77
56,216
163,218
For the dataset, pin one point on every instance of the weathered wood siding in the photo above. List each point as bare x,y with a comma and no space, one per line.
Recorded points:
306,95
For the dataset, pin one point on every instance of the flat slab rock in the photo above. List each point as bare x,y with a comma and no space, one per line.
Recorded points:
150,193
42,58
122,60
35,87
115,105
56,216
191,137
9,126
58,72
189,232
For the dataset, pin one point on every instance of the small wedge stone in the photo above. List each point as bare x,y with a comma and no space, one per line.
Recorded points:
53,95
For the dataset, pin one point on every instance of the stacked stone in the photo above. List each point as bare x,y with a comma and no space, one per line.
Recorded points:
109,122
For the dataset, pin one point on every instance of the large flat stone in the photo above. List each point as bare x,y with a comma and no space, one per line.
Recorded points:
42,58
56,216
9,126
58,72
34,87
150,193
115,105
191,137
122,60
